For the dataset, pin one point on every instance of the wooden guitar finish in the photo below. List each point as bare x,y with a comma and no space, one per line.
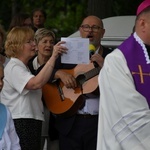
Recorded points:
64,101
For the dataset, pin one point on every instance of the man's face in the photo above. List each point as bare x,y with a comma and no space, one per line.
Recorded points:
92,28
143,27
38,18
146,29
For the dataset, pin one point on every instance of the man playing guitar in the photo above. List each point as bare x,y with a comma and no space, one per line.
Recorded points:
79,130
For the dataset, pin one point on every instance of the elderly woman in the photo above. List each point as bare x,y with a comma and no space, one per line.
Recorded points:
45,40
22,90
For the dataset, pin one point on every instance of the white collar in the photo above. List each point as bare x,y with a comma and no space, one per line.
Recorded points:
36,65
139,40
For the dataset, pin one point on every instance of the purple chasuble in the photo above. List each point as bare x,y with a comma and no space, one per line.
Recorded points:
138,65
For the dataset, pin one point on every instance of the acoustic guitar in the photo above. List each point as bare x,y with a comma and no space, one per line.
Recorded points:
65,101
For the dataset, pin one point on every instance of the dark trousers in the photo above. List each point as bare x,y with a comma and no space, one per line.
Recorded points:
29,133
82,136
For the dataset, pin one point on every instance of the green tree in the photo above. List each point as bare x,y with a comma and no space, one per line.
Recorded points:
65,16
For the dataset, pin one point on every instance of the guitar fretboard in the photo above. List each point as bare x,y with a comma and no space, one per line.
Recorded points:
88,75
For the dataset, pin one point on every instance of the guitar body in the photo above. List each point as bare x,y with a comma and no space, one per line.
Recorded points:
64,101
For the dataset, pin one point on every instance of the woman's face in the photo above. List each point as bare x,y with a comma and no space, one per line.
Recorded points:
28,49
45,46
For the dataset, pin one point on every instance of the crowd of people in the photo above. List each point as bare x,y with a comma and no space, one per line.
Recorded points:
114,116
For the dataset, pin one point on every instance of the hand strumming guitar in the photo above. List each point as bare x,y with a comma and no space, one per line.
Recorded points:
68,80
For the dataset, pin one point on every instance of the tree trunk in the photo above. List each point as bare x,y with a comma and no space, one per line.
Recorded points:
15,7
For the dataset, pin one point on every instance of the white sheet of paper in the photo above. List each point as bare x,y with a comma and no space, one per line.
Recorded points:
78,51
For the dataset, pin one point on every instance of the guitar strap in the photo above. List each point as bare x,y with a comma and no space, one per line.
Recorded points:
83,104
83,97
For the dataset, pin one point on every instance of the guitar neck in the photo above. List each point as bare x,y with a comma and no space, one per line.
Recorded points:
88,75
93,72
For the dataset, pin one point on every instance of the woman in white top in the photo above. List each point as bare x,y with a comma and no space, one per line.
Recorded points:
22,90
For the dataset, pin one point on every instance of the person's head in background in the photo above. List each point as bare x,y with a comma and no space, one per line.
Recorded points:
3,59
2,39
21,19
38,17
92,27
44,40
1,76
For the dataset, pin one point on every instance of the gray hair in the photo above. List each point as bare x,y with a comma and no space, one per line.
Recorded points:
41,33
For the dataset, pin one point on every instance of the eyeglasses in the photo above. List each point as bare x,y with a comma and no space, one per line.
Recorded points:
30,41
87,28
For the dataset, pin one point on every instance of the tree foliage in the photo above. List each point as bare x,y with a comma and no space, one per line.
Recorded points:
64,16
125,7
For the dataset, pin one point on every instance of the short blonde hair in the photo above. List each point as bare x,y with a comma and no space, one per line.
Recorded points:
15,40
41,33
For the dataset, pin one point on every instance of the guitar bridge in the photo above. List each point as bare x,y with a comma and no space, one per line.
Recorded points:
61,94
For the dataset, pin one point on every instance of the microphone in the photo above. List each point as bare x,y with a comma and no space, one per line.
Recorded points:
92,50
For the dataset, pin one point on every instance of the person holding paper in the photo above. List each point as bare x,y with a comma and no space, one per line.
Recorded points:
45,40
79,131
21,92
124,120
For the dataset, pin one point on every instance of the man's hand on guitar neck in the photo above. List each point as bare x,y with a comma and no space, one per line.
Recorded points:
68,80
97,58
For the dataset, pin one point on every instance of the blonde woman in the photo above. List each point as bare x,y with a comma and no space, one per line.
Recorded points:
22,90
